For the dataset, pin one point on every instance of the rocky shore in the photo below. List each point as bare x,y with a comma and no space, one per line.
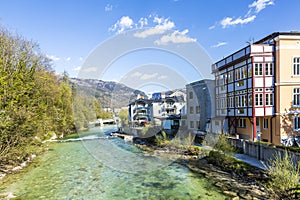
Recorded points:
236,186
231,184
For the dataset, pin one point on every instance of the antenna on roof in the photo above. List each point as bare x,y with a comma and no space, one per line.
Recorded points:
250,41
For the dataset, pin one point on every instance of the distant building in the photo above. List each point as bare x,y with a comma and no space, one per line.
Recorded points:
160,107
258,89
139,111
200,106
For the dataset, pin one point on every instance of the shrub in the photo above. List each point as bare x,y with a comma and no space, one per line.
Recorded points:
224,145
283,176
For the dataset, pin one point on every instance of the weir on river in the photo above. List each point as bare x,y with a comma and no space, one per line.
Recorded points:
106,169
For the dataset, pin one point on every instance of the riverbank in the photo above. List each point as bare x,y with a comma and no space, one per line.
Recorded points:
193,160
7,169
105,169
238,184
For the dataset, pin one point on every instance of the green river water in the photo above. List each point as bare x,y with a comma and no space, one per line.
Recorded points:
106,169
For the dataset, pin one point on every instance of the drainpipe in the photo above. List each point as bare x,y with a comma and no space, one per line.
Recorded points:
274,97
253,98
271,128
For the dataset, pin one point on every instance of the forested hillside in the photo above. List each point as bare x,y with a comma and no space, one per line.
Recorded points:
109,94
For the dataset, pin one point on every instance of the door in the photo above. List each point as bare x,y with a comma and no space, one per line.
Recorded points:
257,125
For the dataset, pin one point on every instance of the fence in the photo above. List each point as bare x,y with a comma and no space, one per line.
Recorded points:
261,151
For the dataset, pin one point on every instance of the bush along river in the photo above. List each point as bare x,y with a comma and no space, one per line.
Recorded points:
105,168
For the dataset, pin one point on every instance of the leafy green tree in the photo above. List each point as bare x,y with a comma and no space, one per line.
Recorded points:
34,102
123,115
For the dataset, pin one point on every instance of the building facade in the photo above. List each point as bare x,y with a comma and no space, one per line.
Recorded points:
139,112
258,89
160,107
200,106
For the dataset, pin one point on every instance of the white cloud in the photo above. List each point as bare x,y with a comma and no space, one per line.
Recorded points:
162,77
77,68
149,32
90,69
143,22
68,58
136,74
123,24
162,26
149,76
212,27
144,76
162,23
228,21
259,5
80,58
175,37
219,44
108,7
53,58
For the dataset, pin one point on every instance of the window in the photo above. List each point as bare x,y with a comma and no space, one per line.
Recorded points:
237,74
240,73
269,69
244,75
197,109
243,102
258,69
222,79
258,99
191,95
240,83
231,102
296,66
183,123
191,110
266,123
198,124
236,101
225,78
269,99
240,101
223,103
297,124
230,77
296,97
242,123
250,99
249,70
191,124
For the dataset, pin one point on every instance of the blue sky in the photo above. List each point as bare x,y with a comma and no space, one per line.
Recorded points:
69,30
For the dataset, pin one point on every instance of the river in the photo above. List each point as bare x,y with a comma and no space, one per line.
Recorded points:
106,169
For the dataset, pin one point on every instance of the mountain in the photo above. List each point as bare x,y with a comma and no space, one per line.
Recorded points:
110,94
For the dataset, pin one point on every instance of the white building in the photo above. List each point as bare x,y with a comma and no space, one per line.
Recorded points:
200,107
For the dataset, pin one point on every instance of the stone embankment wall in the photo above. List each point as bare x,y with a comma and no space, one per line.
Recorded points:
261,151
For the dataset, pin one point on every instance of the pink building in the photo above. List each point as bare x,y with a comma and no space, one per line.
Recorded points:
258,89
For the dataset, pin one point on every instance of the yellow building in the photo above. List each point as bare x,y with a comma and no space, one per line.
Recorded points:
258,89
